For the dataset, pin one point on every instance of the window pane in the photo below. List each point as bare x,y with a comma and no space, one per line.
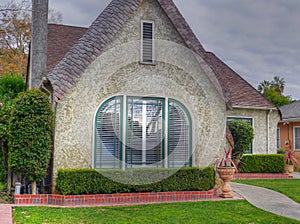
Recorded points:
249,121
144,146
108,139
278,138
297,138
179,148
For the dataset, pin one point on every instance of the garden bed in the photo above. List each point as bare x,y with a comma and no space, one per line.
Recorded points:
114,199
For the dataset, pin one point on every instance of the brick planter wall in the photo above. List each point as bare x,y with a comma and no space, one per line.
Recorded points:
243,176
114,199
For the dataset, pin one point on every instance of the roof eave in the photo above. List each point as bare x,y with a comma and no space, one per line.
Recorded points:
254,107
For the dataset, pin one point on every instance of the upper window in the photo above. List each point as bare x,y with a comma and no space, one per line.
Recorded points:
147,43
297,138
249,121
145,132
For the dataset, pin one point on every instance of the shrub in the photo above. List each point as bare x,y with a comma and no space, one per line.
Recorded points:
90,181
30,139
11,85
242,134
273,163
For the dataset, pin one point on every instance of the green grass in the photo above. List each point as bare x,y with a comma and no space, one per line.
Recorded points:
192,212
289,187
1,186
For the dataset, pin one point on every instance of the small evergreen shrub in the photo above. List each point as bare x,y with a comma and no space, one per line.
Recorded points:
90,181
273,163
242,134
30,135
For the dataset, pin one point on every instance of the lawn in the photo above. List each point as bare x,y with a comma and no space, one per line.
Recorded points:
192,212
289,187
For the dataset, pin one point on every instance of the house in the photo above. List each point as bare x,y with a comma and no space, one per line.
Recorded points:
137,89
288,132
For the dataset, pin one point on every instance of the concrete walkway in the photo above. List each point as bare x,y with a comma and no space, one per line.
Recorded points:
6,214
268,200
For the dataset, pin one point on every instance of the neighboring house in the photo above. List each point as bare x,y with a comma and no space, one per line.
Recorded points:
288,132
138,90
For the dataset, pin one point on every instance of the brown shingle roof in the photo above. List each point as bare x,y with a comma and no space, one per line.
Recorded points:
90,45
242,94
60,39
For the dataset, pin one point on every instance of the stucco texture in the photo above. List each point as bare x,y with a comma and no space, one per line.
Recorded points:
176,74
260,126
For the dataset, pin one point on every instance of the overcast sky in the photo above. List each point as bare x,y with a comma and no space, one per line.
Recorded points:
257,38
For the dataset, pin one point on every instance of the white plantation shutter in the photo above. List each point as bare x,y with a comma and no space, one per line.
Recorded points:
147,42
108,134
179,136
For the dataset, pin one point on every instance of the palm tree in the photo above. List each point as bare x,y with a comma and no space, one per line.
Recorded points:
278,84
263,85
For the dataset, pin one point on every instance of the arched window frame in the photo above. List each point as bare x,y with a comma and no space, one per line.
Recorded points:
122,156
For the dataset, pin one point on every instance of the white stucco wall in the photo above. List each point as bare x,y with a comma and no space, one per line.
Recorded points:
176,74
260,126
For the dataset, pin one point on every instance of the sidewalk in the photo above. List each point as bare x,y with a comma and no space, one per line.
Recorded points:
6,214
268,200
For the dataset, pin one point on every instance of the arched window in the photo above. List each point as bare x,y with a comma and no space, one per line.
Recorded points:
135,132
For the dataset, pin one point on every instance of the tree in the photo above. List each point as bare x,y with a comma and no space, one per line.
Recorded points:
243,135
10,86
15,31
278,84
276,98
263,85
30,136
273,91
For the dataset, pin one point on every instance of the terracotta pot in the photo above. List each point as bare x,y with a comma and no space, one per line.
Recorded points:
226,174
289,169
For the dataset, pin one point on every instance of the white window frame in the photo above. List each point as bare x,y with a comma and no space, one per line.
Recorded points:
278,138
241,118
142,43
295,127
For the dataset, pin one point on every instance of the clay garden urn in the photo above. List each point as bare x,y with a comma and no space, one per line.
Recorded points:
226,174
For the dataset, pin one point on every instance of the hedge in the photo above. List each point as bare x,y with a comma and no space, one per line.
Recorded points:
272,163
91,181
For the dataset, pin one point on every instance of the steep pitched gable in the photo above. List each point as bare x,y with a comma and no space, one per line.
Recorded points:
101,32
242,94
60,39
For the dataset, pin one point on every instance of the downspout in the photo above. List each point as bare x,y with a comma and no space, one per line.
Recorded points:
268,131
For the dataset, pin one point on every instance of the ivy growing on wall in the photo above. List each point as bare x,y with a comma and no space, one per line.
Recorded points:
30,140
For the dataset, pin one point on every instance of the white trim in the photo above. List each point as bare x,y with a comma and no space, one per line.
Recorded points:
254,108
295,137
142,43
124,131
278,138
166,140
244,117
